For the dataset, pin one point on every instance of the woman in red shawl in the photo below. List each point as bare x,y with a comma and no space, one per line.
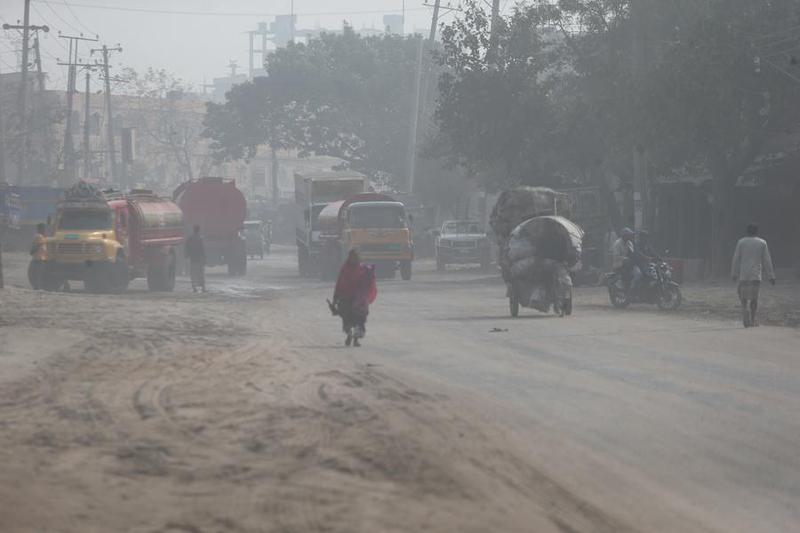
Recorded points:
355,290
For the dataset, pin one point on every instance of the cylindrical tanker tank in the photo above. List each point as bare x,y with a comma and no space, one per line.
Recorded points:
158,220
220,209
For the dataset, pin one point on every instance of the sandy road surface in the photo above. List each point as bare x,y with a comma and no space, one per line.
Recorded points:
240,410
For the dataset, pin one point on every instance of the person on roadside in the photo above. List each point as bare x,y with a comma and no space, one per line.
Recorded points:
751,262
195,252
355,291
38,258
622,262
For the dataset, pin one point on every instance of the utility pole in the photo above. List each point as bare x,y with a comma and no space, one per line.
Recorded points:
45,123
494,37
291,22
72,80
434,21
87,149
23,94
639,10
23,89
411,156
2,140
112,154
420,94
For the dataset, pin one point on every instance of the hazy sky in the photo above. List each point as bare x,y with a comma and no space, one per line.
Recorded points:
193,46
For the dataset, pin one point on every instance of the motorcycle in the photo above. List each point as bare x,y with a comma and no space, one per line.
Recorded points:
655,287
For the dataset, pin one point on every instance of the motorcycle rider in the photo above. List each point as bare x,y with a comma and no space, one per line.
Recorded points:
642,256
622,252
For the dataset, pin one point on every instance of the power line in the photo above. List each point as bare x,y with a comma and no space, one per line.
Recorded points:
56,14
233,14
75,16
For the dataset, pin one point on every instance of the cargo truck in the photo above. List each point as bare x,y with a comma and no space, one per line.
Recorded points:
374,224
220,209
107,238
313,191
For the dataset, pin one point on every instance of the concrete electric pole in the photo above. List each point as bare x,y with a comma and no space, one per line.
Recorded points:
44,125
2,141
25,28
112,153
639,10
72,80
421,82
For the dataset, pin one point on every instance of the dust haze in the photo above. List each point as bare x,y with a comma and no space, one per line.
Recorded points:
394,266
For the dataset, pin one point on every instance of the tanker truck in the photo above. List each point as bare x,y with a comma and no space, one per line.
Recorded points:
107,238
220,209
313,191
374,224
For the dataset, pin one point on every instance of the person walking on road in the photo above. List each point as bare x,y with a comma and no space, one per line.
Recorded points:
355,291
751,261
38,258
195,251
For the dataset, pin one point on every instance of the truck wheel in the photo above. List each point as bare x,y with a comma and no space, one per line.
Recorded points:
36,274
51,280
118,276
172,270
405,270
238,267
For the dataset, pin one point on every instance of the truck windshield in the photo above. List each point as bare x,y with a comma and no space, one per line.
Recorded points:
85,220
378,216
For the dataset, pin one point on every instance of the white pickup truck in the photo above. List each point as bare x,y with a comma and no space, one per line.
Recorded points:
462,242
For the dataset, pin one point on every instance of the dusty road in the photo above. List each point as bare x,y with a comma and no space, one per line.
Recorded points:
239,410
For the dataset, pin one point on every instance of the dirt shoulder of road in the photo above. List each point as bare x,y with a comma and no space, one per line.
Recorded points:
779,305
147,412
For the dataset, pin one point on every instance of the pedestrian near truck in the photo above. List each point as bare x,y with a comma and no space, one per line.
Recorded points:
195,252
38,258
751,262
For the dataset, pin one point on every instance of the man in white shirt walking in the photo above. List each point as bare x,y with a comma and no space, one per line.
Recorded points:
751,261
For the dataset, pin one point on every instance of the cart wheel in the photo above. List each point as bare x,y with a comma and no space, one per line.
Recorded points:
513,303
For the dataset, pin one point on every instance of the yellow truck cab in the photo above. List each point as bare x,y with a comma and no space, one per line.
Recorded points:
374,224
107,238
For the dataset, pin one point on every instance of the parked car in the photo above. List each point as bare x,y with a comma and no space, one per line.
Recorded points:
462,242
257,238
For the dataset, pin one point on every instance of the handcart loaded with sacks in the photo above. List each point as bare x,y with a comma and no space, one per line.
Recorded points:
539,247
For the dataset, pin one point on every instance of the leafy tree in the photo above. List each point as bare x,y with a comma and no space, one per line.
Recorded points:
719,91
494,117
340,95
695,82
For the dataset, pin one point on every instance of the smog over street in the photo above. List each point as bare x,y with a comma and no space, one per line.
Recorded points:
399,266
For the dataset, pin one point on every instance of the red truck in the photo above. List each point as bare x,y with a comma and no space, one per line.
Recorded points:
220,209
107,238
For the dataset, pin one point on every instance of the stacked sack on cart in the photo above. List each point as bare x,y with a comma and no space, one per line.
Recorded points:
540,253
